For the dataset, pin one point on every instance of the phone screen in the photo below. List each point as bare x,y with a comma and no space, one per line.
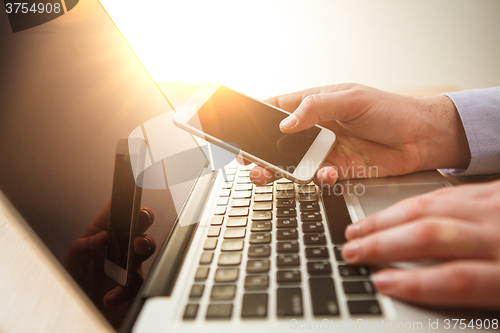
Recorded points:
121,211
254,128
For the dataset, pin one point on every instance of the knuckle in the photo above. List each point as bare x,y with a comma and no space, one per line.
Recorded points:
426,233
310,102
460,281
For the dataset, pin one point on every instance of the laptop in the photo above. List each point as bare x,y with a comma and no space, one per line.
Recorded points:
230,255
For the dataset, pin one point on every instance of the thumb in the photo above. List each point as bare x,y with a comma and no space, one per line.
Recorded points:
323,107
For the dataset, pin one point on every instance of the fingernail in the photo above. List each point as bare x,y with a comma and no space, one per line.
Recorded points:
350,251
289,122
149,243
352,231
111,298
383,282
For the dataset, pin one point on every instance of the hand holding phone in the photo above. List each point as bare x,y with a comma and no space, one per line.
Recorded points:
250,128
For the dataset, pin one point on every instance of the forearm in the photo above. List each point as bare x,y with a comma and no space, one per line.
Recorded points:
442,142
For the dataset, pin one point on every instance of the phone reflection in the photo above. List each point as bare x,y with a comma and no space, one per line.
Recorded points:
85,262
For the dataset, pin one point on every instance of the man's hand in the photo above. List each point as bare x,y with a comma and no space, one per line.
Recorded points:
460,226
392,134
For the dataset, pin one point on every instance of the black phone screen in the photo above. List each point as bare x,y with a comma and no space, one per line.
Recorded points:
121,211
254,128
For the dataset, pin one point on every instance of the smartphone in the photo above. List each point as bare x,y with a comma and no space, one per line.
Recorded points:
120,260
250,128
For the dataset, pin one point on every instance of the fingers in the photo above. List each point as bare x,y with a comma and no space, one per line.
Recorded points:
84,249
342,106
146,218
327,175
432,204
455,284
144,246
290,102
261,176
429,238
119,295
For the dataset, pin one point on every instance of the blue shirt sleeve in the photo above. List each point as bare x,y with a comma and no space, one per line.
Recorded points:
479,110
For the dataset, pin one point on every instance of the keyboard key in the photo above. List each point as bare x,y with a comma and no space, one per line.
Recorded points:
312,227
201,273
285,194
364,307
206,258
289,302
288,247
244,173
243,187
232,245
259,251
260,206
317,252
257,266
210,244
239,221
256,281
261,226
308,198
262,216
337,216
219,311
358,287
283,234
213,232
309,207
260,238
229,259
319,267
220,210
234,233
226,274
286,212
288,276
285,187
323,296
285,203
196,291
242,194
348,270
225,193
190,311
307,189
244,180
227,185
240,203
287,222
263,197
311,217
223,201
338,253
314,239
283,181
285,260
223,292
263,189
217,220
229,178
238,212
254,305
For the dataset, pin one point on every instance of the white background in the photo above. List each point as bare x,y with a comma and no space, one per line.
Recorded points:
263,48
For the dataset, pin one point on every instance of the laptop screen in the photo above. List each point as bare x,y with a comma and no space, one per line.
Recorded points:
70,89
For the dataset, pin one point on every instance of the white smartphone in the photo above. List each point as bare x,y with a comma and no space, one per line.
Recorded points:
126,194
250,128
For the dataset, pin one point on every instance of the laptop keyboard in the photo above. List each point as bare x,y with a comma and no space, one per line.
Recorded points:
239,264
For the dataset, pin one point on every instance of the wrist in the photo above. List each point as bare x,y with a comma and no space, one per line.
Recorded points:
444,143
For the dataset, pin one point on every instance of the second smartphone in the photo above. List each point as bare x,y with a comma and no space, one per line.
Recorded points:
250,128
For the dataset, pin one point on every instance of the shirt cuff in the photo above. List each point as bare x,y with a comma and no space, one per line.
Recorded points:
479,110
